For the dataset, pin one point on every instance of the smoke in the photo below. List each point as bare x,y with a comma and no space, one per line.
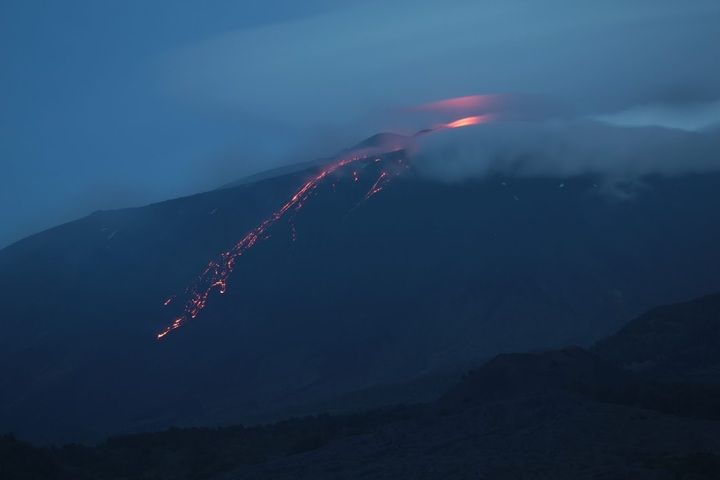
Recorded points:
566,148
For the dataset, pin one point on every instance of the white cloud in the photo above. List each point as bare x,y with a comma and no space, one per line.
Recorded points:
566,148
690,117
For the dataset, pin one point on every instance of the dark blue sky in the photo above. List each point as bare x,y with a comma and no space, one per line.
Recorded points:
112,104
86,119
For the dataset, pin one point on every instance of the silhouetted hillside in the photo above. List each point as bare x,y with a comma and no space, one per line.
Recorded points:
578,371
518,375
562,414
680,341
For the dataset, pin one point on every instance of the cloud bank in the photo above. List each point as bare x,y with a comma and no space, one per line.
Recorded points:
359,66
562,148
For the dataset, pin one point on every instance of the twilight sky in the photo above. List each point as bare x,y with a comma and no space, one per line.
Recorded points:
114,104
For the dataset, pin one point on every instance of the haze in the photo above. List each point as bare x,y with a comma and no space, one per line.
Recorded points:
108,105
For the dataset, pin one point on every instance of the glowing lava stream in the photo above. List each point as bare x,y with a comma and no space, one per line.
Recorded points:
216,274
468,121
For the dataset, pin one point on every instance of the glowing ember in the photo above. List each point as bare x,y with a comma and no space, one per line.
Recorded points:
216,274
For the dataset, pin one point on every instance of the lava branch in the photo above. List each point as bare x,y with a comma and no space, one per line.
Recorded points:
385,177
217,272
378,185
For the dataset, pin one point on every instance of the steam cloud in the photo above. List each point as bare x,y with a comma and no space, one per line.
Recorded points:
565,148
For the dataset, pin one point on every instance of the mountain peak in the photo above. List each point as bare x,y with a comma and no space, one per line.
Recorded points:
380,139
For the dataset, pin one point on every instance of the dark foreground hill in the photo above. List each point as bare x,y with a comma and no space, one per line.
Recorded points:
561,414
420,278
676,342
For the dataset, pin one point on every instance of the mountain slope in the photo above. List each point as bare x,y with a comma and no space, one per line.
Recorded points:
418,278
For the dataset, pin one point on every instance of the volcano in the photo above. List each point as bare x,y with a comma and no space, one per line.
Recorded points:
360,288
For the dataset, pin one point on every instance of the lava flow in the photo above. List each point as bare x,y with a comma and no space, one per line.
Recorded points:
216,274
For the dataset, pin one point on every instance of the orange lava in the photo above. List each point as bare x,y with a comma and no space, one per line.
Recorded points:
468,121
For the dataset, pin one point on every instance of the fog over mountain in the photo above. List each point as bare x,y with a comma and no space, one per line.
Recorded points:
115,106
563,148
